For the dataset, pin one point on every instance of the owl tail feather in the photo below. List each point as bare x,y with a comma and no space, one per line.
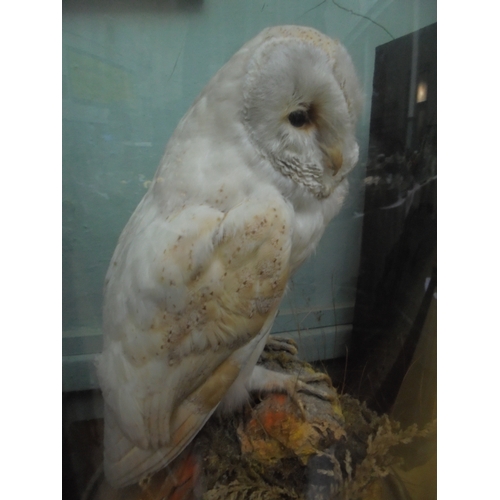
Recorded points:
182,481
125,463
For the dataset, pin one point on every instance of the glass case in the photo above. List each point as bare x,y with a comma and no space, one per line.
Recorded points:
362,308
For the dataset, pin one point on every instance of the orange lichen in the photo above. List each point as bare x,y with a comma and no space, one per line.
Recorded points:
277,430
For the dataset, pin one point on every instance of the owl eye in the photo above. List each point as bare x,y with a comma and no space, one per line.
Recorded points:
298,118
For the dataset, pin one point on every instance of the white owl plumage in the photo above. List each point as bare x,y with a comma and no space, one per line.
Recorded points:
249,180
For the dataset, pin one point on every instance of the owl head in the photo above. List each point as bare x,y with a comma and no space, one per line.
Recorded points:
284,109
301,99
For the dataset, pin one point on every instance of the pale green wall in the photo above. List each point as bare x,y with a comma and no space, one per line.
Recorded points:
129,75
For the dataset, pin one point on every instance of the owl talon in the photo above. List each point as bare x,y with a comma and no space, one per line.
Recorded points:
298,403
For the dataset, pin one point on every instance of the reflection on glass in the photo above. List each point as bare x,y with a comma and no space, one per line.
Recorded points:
422,92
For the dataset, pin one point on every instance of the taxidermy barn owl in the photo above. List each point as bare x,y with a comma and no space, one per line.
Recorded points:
249,180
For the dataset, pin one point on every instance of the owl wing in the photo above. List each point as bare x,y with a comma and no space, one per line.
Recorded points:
201,289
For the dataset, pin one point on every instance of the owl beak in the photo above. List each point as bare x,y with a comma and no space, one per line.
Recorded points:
335,159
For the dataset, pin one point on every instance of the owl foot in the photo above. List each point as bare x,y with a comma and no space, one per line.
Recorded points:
303,383
265,380
277,343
